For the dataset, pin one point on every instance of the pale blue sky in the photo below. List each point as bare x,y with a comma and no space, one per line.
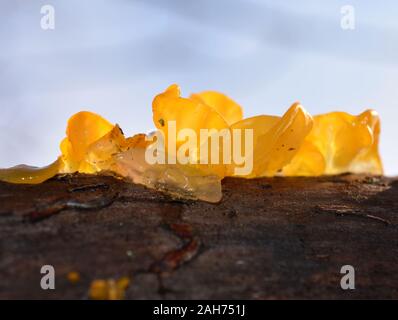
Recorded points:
112,57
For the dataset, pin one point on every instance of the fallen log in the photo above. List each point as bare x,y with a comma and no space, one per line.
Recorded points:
271,238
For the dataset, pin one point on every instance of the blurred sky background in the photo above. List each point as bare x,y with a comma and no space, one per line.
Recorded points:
113,56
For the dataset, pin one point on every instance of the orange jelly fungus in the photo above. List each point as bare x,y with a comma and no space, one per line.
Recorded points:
109,289
295,144
73,277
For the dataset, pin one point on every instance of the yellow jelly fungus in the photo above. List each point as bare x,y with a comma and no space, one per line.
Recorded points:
109,289
276,140
98,155
30,175
84,128
226,107
368,160
338,143
186,113
295,144
183,181
308,161
73,277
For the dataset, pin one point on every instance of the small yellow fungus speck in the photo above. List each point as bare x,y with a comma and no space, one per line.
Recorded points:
73,277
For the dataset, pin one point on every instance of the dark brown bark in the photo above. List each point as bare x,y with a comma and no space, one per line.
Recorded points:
268,238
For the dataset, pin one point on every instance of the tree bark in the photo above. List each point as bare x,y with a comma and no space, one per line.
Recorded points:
271,238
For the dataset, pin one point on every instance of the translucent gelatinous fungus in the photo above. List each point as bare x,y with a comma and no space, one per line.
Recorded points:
28,174
295,144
